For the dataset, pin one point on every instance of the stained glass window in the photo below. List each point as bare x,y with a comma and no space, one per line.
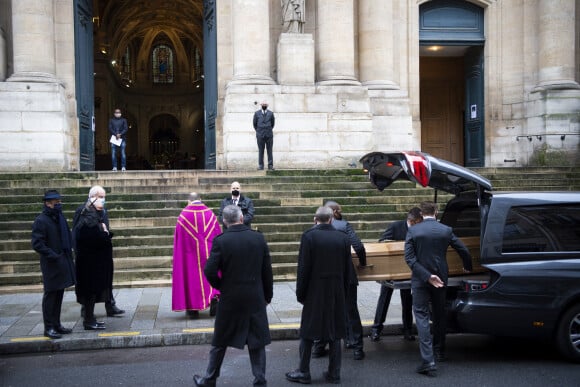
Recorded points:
162,64
126,65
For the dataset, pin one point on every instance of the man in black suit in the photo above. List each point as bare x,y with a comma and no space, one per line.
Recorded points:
264,122
240,267
397,231
425,253
322,283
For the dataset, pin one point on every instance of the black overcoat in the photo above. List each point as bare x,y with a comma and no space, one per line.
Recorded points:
56,264
94,256
322,282
240,266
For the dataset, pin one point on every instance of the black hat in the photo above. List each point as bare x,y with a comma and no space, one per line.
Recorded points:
51,194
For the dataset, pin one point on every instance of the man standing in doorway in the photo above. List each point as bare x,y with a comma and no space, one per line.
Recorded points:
264,122
426,254
118,129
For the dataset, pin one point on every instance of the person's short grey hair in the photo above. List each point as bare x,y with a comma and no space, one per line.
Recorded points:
231,215
193,197
95,190
323,214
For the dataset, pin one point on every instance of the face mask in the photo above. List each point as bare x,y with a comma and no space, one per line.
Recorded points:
58,206
235,193
118,115
102,201
264,107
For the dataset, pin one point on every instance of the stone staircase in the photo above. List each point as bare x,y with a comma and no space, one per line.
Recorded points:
143,207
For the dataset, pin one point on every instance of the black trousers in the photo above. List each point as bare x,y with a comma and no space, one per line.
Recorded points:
427,344
334,356
354,329
383,308
257,360
51,307
265,143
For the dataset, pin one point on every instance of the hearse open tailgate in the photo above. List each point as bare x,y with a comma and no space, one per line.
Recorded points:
386,261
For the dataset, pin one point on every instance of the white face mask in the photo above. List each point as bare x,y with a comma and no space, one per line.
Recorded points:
118,115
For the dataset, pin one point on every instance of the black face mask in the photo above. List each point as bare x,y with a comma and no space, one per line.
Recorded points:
235,193
264,107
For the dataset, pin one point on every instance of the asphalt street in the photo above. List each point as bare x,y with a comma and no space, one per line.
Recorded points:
474,361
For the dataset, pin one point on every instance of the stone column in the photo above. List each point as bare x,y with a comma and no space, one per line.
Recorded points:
335,42
2,55
33,41
376,56
251,41
556,44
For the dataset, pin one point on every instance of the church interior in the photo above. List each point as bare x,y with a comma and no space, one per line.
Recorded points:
148,62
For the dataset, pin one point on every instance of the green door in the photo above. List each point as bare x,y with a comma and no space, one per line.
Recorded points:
474,108
210,81
83,15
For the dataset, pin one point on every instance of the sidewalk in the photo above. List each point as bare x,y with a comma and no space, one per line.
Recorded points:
149,321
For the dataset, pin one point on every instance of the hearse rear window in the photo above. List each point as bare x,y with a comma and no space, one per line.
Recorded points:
546,228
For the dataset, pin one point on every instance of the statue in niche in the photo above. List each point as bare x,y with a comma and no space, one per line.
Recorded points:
293,17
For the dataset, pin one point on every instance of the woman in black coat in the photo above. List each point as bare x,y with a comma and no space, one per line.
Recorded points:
94,257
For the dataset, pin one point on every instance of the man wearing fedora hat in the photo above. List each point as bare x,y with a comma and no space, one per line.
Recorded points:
264,122
51,238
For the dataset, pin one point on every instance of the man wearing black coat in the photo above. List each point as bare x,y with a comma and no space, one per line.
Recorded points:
425,253
397,231
322,284
237,199
51,238
240,267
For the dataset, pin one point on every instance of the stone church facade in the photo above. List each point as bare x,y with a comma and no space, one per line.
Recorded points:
482,82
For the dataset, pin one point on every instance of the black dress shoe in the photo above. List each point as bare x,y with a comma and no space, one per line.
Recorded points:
114,311
299,377
428,369
52,333
63,331
192,313
359,354
94,326
331,379
203,382
375,336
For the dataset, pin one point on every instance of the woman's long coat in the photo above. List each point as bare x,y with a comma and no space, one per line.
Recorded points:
94,256
240,266
322,282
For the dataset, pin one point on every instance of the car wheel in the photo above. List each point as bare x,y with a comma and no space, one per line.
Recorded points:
569,334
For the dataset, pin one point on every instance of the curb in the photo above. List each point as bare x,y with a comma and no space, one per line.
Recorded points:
201,336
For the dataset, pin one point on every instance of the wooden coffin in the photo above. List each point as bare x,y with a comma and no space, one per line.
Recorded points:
386,261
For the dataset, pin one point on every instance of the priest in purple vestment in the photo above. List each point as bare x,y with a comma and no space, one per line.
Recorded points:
194,232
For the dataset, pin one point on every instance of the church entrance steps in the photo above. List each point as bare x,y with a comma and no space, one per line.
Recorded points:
143,207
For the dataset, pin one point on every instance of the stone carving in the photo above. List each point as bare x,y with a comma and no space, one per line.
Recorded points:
293,17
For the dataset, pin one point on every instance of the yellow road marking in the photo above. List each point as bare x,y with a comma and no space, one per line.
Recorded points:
24,339
198,330
114,334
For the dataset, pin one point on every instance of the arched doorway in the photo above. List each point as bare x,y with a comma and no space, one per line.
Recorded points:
452,37
150,59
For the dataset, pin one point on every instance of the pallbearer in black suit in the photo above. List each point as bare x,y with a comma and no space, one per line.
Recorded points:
239,266
397,231
425,253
